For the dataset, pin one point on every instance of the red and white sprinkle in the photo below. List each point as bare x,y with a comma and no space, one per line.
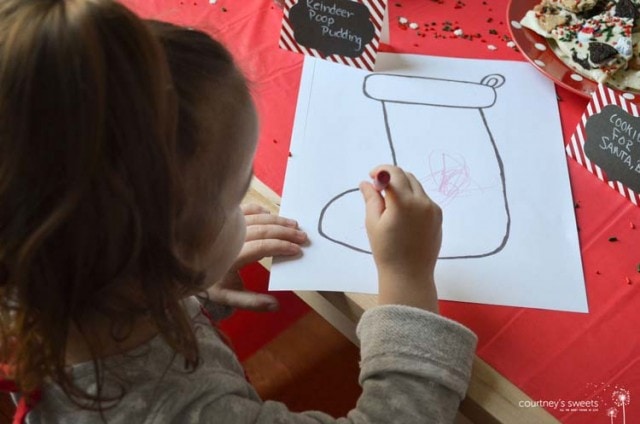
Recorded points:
492,47
414,25
458,32
511,44
402,20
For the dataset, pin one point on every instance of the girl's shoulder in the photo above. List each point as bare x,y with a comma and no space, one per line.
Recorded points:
151,377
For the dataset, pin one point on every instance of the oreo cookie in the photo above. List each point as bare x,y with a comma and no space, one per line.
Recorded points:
597,9
626,9
601,52
582,62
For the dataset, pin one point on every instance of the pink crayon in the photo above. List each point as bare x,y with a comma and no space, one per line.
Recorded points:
381,181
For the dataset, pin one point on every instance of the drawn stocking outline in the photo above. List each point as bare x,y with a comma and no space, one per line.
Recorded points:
491,82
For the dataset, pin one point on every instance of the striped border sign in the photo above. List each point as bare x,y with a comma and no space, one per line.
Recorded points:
602,97
377,11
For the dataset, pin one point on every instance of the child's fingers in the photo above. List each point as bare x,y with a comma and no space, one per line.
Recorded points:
253,251
253,209
373,200
264,219
246,300
399,188
277,232
416,186
231,292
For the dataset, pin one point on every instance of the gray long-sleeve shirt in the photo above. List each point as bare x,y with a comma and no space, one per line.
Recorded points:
415,368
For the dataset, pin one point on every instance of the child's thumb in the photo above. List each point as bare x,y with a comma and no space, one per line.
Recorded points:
374,202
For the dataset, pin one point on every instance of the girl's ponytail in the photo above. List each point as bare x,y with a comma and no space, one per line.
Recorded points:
88,182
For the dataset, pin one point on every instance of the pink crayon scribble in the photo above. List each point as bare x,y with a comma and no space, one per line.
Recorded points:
450,176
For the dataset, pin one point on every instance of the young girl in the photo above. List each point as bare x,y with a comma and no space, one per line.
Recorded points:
125,151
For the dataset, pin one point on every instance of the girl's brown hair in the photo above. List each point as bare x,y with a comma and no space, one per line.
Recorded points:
90,183
210,89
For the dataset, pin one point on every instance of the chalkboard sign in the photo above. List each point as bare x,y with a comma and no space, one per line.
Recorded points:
606,141
341,27
613,143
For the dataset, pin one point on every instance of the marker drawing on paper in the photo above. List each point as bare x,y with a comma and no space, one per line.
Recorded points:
460,180
484,139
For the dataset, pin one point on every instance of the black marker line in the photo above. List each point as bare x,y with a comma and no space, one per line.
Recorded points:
323,234
504,196
488,78
389,138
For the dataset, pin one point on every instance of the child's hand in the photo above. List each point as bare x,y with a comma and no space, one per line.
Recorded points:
405,232
267,235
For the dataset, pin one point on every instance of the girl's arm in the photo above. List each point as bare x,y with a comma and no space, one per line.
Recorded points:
415,368
415,365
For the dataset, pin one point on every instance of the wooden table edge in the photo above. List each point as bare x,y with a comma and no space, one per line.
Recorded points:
491,398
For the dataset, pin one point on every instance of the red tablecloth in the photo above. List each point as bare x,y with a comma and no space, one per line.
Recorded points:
552,356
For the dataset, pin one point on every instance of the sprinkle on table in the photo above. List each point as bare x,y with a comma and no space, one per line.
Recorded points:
613,239
439,30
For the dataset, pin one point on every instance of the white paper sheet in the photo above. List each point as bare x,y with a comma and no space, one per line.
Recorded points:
483,137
